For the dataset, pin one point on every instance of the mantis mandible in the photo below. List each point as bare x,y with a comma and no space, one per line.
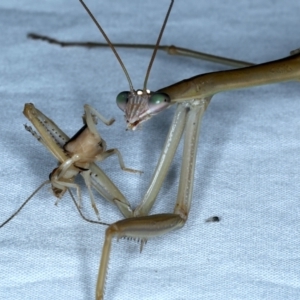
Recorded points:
248,95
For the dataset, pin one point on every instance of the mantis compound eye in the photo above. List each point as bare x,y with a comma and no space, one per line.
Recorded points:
122,100
158,102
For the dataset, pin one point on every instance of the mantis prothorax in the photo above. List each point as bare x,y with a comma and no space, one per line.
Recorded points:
194,94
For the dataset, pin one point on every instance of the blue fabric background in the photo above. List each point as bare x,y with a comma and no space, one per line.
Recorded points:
247,169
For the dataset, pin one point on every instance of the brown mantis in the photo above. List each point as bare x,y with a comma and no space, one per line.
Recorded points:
193,96
112,290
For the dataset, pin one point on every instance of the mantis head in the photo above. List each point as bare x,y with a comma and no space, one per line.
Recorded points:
140,106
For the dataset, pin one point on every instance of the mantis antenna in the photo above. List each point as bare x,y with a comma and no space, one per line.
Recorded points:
156,46
109,43
116,53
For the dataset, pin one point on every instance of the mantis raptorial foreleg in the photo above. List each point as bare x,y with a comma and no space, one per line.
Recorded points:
143,227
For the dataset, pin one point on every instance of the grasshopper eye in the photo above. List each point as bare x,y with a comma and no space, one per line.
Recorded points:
158,102
122,100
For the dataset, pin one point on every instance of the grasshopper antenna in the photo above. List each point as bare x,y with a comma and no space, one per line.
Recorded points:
35,192
156,46
109,43
25,202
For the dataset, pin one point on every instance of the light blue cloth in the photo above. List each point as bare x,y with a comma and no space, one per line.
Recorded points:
247,170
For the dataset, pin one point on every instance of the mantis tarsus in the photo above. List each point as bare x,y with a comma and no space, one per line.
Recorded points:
246,94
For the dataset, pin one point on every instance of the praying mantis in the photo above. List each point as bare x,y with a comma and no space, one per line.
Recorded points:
217,241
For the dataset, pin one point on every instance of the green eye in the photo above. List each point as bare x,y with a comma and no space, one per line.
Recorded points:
158,102
122,100
157,99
